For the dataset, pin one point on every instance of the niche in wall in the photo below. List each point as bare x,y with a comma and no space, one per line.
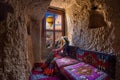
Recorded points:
5,8
97,17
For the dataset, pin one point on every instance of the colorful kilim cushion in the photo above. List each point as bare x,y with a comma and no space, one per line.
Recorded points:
105,62
88,57
65,61
83,71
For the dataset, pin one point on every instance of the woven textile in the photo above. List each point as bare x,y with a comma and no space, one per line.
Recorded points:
65,61
82,71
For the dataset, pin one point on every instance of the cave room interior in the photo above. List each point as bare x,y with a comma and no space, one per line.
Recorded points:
30,29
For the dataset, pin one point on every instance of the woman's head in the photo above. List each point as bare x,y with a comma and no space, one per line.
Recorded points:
62,41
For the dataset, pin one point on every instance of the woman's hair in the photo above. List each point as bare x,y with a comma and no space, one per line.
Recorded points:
66,40
62,42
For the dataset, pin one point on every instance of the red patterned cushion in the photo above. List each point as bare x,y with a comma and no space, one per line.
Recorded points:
103,61
88,57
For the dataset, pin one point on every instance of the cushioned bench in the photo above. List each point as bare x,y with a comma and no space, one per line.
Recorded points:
83,71
66,61
101,66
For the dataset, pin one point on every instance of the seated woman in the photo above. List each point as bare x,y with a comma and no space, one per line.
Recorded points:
61,45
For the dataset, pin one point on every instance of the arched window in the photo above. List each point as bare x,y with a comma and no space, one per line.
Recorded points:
54,26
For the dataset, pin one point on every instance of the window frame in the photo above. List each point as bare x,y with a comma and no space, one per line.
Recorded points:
54,11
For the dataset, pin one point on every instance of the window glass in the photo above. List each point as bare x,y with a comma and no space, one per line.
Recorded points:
57,35
58,22
49,39
49,21
53,27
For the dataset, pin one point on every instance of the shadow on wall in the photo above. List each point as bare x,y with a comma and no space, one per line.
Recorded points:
5,8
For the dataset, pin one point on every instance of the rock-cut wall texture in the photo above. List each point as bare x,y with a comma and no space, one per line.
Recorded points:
13,57
82,20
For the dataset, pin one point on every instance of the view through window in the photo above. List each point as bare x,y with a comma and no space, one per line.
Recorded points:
53,26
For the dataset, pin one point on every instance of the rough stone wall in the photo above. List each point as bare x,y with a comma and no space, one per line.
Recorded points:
13,54
30,52
62,3
14,62
105,38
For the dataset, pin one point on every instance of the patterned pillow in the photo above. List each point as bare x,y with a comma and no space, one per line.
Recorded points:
83,71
